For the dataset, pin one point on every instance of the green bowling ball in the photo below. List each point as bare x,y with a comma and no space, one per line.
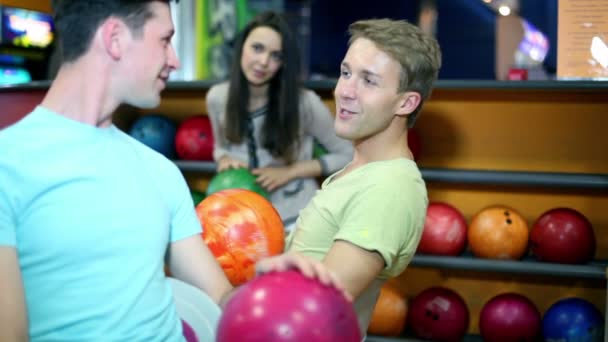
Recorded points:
235,178
318,150
197,196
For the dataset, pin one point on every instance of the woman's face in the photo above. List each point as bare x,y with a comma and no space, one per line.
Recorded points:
262,55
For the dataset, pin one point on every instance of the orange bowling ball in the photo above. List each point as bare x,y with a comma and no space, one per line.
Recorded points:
498,232
240,227
390,312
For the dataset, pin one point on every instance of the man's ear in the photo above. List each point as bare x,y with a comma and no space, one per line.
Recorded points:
408,102
114,35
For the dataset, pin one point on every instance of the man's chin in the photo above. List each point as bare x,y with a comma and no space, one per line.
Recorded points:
148,103
344,135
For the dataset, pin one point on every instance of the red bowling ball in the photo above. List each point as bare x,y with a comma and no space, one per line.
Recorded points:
286,306
509,317
194,139
439,314
414,143
563,235
445,231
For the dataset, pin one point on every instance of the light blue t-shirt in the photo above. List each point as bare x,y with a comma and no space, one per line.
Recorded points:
91,212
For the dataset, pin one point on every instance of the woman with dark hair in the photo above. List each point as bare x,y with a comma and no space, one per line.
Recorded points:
264,120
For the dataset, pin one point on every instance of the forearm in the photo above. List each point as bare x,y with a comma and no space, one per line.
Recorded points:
355,267
10,333
192,262
305,168
226,297
13,313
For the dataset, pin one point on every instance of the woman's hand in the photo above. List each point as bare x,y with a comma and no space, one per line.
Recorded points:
226,162
271,178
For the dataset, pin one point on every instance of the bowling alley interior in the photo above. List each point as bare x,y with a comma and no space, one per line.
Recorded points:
510,144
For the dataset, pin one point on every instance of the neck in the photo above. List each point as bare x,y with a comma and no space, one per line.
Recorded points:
80,92
386,145
258,97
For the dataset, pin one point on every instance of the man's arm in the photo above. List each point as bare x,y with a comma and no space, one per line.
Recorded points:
191,261
13,316
354,266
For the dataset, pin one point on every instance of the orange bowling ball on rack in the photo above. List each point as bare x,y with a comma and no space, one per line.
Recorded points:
498,232
240,227
390,313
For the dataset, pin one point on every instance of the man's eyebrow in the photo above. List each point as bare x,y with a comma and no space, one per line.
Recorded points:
367,72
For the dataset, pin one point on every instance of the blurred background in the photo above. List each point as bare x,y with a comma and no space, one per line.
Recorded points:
480,39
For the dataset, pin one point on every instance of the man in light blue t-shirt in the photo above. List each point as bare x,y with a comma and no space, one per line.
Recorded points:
88,215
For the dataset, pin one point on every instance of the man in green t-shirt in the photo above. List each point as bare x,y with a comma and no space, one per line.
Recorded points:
366,221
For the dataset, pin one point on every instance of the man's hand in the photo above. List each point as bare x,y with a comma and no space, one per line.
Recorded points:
271,178
309,267
226,162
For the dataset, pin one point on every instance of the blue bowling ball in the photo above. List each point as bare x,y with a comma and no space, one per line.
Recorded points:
573,320
157,132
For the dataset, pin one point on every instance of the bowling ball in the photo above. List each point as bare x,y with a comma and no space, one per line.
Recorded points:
197,196
286,306
188,332
439,314
318,150
509,317
240,227
445,231
573,319
563,235
390,313
157,132
414,143
498,232
240,178
194,139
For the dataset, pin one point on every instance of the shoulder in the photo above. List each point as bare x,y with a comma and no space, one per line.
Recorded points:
394,176
308,96
153,160
311,103
29,131
218,92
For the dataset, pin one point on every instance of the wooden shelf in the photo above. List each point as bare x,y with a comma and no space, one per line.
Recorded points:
196,166
593,270
486,177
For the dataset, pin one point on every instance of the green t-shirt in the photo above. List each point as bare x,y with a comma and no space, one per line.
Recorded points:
380,206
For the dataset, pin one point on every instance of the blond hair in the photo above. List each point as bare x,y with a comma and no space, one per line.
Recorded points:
418,53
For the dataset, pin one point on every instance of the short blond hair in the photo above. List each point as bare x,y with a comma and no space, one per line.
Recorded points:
418,53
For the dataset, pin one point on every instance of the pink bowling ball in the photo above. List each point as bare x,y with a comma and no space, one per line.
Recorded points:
287,306
188,332
509,317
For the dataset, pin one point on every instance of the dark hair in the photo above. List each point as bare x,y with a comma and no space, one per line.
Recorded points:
280,132
77,20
